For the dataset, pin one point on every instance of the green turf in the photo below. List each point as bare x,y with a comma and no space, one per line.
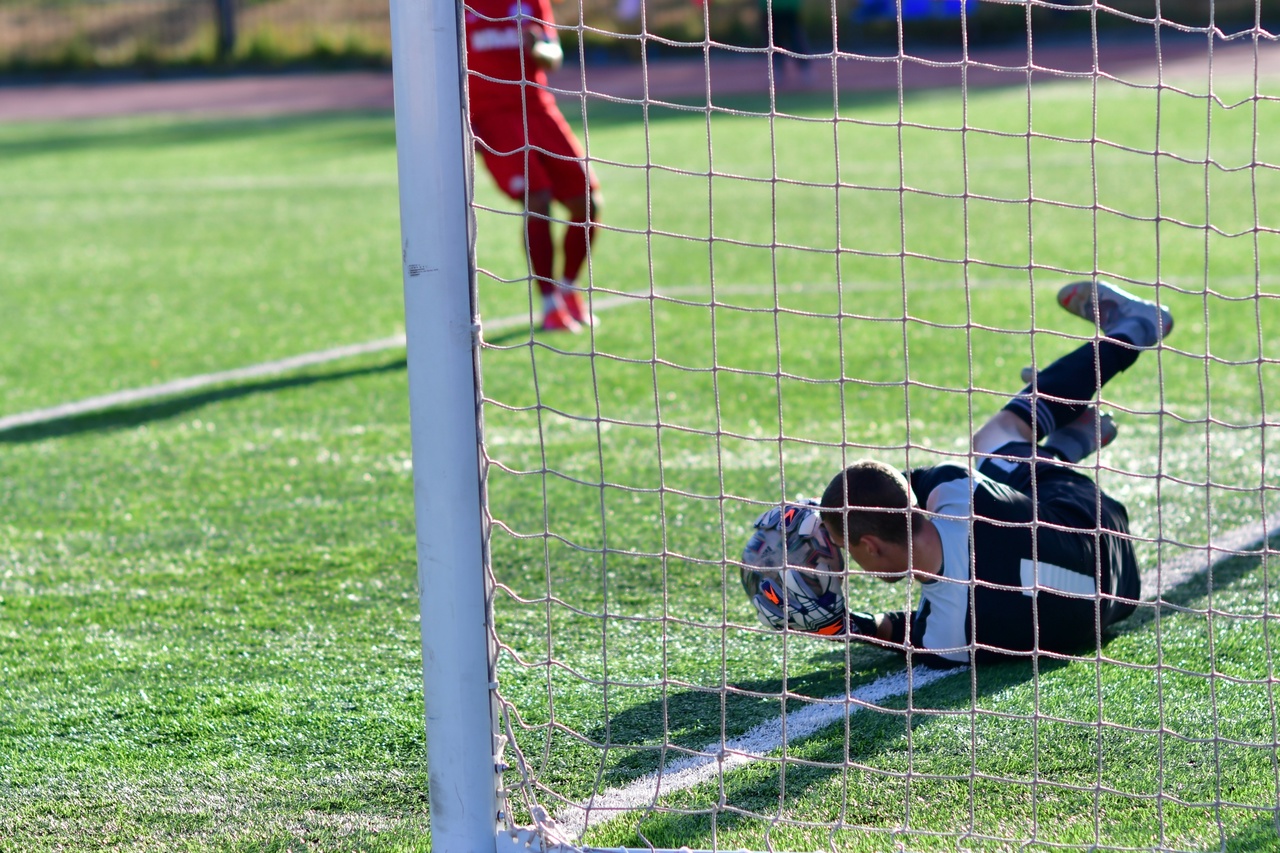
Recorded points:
207,603
150,249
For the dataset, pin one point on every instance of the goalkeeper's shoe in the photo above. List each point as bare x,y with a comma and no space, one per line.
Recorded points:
1108,429
559,319
1117,312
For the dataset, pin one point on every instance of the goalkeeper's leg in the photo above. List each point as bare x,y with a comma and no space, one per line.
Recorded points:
1079,439
1060,397
1064,391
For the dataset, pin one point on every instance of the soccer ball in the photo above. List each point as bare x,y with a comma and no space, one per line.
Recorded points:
793,534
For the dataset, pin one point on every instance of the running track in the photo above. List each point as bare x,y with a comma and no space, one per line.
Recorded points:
1184,61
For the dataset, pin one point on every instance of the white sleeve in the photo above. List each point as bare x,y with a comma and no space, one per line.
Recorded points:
948,596
954,498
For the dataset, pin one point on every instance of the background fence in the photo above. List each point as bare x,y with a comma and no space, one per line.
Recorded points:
88,34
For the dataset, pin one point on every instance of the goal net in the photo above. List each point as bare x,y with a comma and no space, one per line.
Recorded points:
833,232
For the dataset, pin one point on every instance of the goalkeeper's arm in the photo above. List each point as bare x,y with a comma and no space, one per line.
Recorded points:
788,606
885,627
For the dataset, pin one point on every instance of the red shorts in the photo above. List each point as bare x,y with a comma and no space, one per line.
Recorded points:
555,160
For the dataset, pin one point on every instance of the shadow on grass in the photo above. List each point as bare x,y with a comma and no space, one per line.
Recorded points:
696,718
128,417
162,132
706,721
875,733
1262,834
1197,587
638,732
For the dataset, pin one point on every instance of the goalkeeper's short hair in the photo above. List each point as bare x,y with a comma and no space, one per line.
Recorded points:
869,497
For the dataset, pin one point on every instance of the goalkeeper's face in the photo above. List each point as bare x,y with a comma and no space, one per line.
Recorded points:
874,556
836,536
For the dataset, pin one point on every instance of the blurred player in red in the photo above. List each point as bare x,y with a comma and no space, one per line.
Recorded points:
511,44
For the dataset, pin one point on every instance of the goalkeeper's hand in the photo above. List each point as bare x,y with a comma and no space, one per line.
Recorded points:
791,604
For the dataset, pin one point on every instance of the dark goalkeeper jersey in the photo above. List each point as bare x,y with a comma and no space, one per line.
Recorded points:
1027,579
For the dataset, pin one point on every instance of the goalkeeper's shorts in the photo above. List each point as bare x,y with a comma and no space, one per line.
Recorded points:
1067,498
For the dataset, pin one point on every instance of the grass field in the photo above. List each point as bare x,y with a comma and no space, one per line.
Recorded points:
207,603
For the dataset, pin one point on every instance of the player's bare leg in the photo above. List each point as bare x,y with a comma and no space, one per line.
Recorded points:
1002,428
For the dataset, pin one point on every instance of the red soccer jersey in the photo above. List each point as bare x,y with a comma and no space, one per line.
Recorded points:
495,44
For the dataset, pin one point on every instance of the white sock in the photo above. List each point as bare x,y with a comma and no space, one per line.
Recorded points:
550,302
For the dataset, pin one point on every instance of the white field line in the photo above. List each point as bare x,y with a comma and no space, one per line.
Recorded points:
151,393
768,737
134,396
714,759
1243,540
222,183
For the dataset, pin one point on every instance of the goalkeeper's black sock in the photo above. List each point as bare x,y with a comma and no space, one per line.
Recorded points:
1066,387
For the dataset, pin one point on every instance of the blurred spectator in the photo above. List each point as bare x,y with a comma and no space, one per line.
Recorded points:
780,20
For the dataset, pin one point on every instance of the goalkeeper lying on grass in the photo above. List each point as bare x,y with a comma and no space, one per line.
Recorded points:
1024,553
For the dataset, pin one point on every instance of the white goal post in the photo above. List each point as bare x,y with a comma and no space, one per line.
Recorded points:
436,230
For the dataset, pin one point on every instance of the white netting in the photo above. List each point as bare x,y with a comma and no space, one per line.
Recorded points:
853,252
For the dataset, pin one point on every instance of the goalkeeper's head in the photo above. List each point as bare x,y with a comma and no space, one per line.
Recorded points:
869,503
